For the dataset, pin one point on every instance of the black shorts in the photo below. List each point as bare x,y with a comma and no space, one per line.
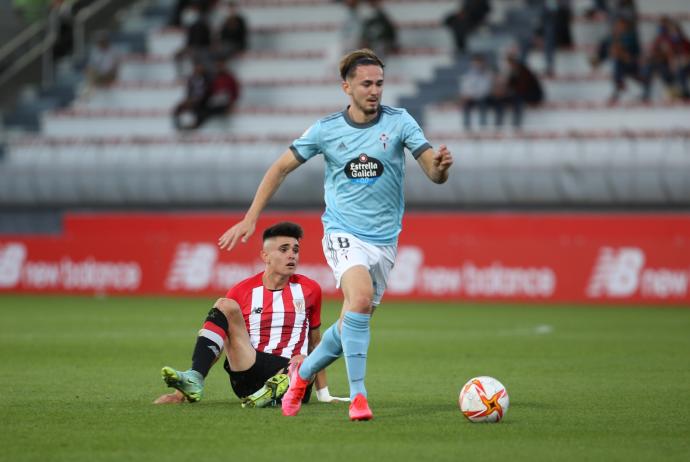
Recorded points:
244,383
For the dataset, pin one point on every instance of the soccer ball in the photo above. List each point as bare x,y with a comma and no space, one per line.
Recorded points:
484,399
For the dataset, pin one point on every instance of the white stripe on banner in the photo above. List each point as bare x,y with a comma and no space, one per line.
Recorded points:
254,317
277,321
212,336
298,294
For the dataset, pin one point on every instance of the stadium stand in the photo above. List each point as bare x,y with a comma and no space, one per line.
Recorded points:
118,147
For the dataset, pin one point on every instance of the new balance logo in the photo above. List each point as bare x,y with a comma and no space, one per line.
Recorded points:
257,309
616,272
12,257
214,349
192,268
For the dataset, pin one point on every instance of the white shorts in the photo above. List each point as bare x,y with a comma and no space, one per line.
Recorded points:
343,251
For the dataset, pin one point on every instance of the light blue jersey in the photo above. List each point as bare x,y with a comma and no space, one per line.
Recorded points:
365,171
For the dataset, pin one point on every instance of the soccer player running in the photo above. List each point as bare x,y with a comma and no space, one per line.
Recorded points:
363,148
262,324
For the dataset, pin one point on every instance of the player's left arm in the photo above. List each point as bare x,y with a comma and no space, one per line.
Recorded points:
436,163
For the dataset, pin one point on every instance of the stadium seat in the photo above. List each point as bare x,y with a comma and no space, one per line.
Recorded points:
574,148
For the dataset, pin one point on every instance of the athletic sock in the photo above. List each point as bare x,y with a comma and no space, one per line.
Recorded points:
327,351
355,340
210,342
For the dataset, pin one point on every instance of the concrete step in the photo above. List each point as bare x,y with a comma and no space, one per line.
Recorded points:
252,94
325,35
559,117
410,64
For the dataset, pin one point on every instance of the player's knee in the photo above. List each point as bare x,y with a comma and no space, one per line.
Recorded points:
361,303
228,307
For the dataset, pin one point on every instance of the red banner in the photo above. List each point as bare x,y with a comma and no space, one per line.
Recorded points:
642,258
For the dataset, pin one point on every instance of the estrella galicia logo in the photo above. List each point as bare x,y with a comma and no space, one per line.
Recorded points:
364,169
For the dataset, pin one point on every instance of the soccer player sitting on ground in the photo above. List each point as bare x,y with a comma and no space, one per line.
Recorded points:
262,324
363,148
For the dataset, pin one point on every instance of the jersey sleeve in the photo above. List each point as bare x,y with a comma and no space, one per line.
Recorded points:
315,305
309,144
413,136
232,293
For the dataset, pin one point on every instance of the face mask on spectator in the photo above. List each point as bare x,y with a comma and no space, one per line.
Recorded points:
189,17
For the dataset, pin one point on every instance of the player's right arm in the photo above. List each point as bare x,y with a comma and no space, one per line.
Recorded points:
274,177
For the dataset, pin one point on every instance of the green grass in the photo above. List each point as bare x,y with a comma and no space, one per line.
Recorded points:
586,383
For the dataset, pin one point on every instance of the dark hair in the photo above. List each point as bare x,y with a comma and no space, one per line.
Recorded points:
284,228
363,57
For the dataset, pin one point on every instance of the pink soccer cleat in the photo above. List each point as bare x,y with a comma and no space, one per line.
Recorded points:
359,408
292,399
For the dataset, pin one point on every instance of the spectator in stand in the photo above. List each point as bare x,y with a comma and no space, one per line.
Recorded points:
61,19
176,15
225,90
378,31
101,70
554,30
198,37
519,87
625,54
232,35
476,89
468,17
598,8
191,111
658,59
623,9
626,9
680,58
182,5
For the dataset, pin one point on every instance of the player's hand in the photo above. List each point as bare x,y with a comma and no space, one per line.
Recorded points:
171,398
324,396
443,159
239,232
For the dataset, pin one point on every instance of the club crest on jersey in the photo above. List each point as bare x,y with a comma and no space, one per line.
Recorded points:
299,305
364,169
384,140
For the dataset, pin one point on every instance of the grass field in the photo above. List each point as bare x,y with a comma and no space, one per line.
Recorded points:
585,383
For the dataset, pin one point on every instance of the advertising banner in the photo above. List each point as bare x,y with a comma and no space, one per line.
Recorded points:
627,258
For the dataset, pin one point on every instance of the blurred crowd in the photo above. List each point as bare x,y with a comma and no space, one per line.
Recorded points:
216,33
489,84
667,56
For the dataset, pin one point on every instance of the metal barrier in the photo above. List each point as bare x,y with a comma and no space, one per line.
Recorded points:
22,50
36,42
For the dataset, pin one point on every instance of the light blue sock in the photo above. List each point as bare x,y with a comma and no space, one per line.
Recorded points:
355,340
327,351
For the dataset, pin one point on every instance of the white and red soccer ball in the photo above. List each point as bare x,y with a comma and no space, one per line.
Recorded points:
484,399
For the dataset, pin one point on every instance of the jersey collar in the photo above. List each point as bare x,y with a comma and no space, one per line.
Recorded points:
354,124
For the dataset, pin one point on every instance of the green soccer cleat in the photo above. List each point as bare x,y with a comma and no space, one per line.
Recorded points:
190,383
267,396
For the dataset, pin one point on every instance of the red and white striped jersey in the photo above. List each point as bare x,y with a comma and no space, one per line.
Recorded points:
278,321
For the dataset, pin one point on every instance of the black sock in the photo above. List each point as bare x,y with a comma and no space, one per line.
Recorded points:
205,354
210,341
